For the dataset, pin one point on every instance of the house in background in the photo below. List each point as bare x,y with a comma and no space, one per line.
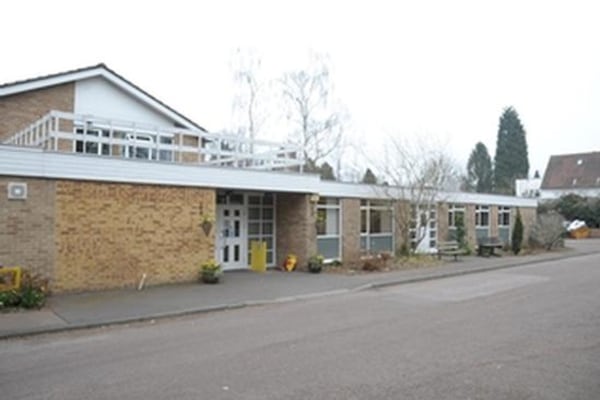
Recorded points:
528,187
572,173
102,183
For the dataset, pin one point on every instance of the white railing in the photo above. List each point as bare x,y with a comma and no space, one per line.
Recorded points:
67,132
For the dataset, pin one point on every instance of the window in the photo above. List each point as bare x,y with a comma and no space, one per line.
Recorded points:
504,224
482,216
482,222
454,211
328,228
376,226
503,216
89,143
423,227
261,222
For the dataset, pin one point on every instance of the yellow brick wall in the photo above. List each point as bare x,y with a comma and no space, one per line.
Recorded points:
20,110
108,235
27,227
350,231
296,227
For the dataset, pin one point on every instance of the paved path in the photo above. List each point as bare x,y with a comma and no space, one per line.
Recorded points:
240,289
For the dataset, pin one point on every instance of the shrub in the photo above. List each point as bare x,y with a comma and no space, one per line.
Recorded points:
460,231
31,294
9,299
517,234
548,231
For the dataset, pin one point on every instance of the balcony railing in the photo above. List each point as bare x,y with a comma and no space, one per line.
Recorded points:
67,132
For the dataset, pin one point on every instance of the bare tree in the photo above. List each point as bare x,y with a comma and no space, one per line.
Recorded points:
249,112
418,173
317,119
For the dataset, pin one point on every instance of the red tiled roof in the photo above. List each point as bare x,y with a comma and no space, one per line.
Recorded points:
573,171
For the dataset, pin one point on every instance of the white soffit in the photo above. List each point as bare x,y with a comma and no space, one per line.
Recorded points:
364,191
36,163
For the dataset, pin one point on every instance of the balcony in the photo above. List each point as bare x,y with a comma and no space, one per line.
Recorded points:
85,134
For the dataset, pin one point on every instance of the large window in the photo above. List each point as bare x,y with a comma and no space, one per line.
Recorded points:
423,227
112,142
328,228
376,226
455,212
503,216
482,216
504,224
87,141
261,223
482,222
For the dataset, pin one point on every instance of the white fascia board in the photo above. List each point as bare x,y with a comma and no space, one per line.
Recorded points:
46,82
488,199
363,191
36,163
91,73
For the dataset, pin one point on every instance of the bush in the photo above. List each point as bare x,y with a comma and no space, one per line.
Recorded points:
573,207
460,231
548,231
31,294
9,299
517,234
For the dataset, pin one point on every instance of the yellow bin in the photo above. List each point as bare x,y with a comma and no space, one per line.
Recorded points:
258,256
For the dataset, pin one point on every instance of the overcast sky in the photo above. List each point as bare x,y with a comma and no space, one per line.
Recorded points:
443,69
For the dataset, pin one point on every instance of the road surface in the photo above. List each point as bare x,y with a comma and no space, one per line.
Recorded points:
522,333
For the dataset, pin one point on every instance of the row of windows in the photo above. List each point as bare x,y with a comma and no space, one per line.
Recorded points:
376,224
141,146
482,215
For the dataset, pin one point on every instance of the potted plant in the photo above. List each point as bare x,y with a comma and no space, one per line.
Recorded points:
210,271
206,223
315,264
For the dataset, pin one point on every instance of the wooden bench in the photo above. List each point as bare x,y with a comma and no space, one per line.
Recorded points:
450,248
487,246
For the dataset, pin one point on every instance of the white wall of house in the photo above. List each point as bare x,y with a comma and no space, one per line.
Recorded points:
552,194
528,187
99,97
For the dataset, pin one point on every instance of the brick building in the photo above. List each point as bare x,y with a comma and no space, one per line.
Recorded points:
101,183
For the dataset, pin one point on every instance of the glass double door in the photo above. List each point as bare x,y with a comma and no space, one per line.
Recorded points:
231,236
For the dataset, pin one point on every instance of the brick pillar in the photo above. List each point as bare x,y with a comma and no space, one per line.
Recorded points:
442,222
471,236
296,227
494,221
350,231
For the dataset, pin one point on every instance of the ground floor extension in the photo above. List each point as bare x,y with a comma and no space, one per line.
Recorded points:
91,223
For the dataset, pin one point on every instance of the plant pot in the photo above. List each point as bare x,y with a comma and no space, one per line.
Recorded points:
206,227
210,277
315,268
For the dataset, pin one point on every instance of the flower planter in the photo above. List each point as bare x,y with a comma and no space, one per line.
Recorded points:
206,227
210,278
315,268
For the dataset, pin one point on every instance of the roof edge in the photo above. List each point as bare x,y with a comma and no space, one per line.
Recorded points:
100,69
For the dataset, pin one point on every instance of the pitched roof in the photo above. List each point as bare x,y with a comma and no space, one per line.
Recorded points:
573,171
40,82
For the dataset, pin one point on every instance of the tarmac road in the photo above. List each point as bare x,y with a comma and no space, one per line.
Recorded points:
526,333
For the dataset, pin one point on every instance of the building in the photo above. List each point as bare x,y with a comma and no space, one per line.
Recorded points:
103,183
529,187
572,173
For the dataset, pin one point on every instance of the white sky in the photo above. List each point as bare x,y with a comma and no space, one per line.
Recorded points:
443,69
